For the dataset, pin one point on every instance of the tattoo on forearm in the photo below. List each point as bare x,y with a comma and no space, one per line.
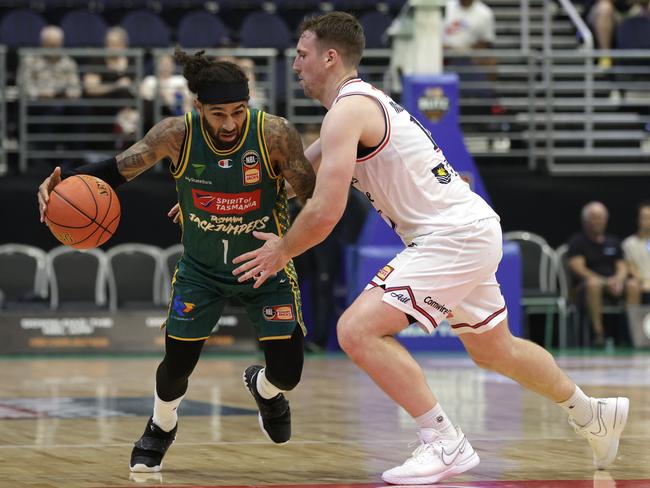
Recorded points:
162,141
287,156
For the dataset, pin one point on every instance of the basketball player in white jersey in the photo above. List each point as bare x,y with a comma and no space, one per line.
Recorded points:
447,270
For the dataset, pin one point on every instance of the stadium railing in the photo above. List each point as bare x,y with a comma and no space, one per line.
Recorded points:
3,109
63,128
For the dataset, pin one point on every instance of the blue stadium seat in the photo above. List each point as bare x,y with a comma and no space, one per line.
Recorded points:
634,33
146,29
375,25
83,29
20,28
263,29
200,28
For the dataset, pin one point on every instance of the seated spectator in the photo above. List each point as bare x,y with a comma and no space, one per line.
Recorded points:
50,76
113,78
636,249
596,261
603,16
170,88
468,24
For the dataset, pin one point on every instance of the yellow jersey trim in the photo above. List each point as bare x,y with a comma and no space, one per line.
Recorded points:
187,145
274,338
262,142
186,339
242,139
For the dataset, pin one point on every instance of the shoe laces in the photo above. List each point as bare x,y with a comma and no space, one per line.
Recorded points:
274,407
433,447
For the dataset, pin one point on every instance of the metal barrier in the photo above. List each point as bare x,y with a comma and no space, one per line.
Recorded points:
263,87
3,109
593,121
85,127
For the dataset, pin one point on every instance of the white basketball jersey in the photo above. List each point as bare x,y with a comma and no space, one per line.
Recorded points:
407,178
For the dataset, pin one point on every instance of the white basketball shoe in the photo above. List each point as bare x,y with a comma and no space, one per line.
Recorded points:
435,459
605,428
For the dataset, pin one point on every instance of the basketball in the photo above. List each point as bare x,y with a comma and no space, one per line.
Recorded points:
83,212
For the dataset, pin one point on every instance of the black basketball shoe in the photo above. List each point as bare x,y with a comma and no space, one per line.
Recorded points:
149,450
275,415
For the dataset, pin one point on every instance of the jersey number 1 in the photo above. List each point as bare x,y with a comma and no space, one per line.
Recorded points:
225,250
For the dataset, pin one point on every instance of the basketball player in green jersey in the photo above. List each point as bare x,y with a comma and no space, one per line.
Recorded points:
230,163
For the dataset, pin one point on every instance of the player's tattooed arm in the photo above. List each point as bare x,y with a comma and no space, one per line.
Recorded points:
288,157
164,140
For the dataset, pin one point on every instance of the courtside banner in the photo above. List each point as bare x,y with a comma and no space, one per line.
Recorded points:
111,332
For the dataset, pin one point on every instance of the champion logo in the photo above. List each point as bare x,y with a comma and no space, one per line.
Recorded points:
225,163
449,457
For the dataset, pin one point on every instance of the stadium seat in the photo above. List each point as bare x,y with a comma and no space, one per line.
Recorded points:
200,29
77,278
21,28
634,33
83,29
23,280
375,25
146,29
540,292
171,255
135,273
262,29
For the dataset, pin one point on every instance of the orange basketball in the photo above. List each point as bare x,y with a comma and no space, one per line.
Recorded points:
83,212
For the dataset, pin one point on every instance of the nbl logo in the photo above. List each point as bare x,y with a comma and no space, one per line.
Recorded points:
433,103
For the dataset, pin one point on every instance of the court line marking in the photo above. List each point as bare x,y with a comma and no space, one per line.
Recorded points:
303,442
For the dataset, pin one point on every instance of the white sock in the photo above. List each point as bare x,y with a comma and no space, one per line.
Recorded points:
437,420
265,388
578,407
164,413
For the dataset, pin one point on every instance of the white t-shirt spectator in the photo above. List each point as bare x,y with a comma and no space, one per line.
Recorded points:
467,26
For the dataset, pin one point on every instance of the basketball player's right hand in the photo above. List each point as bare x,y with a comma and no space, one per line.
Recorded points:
46,188
175,213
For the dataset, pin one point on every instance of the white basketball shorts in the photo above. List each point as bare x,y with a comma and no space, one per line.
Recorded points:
450,276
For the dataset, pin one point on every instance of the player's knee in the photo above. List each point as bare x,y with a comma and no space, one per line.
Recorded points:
348,335
174,370
593,283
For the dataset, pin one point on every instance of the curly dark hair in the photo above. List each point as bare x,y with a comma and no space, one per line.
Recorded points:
202,72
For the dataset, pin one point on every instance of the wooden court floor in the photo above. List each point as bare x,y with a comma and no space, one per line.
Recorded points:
71,422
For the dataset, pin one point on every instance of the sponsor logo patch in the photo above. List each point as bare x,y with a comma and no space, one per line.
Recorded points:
198,169
181,307
433,103
251,167
384,272
225,163
441,308
442,175
226,203
278,313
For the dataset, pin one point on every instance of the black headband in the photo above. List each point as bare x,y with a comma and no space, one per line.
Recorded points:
224,93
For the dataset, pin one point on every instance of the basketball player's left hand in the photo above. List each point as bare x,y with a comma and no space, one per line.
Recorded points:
262,263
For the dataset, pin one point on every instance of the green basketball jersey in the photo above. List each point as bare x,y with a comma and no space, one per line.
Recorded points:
225,195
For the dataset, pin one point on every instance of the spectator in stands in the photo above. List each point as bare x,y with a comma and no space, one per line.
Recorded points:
636,249
596,260
169,88
113,78
603,16
469,24
50,76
